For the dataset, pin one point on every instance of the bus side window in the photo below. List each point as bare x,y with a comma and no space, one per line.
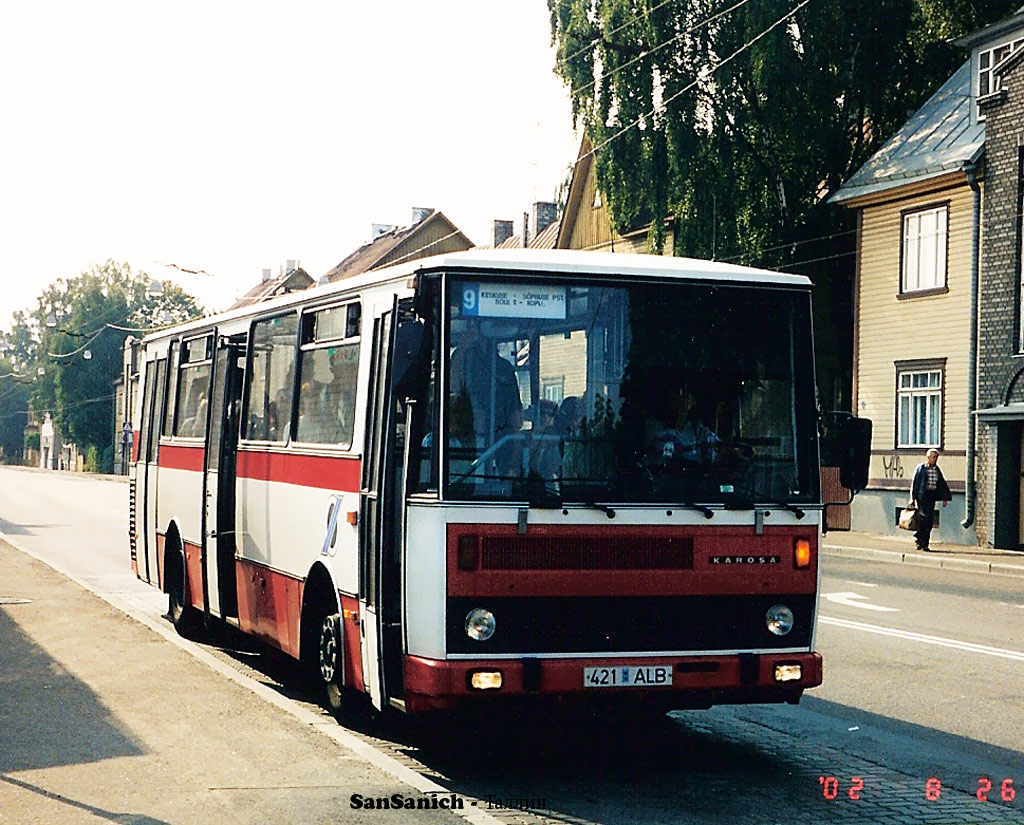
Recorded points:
271,379
193,385
328,368
172,391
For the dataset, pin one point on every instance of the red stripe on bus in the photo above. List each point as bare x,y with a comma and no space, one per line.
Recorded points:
182,457
269,605
353,653
327,472
749,570
194,574
135,446
433,684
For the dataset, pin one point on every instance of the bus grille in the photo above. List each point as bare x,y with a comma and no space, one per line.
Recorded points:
585,553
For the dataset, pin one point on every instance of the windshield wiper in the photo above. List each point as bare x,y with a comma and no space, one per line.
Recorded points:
742,504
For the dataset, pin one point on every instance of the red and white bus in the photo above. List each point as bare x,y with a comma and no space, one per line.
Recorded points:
498,474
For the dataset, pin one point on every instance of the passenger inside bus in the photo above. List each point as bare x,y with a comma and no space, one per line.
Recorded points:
481,417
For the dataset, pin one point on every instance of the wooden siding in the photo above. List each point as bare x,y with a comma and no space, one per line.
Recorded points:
435,238
892,329
592,228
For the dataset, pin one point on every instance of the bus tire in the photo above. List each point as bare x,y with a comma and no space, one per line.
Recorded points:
183,616
329,663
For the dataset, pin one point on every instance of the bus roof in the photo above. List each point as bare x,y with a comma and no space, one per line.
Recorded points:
540,261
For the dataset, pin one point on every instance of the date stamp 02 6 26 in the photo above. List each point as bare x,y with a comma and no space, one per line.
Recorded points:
987,790
452,802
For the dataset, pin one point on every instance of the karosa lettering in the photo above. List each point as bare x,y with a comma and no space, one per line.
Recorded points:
396,800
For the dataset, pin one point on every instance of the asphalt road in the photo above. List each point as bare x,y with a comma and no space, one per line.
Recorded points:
919,713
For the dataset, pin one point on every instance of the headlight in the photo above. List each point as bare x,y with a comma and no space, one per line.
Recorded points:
480,624
779,619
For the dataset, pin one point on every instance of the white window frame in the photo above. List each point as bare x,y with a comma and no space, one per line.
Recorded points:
987,82
920,392
924,249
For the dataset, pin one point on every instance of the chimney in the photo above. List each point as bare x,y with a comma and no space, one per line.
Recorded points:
502,232
378,229
267,275
291,266
420,213
543,214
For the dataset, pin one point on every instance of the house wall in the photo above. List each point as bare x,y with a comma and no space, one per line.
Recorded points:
894,329
593,228
435,237
1000,362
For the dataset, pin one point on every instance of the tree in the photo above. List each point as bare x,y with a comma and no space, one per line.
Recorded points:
737,120
78,330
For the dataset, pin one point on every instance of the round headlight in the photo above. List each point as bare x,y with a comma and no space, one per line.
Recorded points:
779,619
480,624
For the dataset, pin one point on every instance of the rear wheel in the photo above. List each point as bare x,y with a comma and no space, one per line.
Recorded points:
183,616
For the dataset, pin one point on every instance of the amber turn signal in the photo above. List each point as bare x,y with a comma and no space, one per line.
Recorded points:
801,553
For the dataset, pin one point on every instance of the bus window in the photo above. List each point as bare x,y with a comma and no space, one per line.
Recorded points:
172,390
193,386
159,389
271,379
328,368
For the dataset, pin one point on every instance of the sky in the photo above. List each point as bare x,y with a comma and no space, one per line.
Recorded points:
229,136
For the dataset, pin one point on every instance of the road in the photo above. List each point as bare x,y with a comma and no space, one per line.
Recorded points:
919,713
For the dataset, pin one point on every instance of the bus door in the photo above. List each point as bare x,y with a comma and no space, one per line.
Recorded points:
397,353
219,482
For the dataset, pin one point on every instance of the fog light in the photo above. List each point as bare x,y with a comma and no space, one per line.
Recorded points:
480,624
788,673
485,680
779,619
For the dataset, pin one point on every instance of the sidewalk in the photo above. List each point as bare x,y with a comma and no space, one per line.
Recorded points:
900,549
103,720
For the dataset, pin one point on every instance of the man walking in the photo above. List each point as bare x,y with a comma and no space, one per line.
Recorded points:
929,486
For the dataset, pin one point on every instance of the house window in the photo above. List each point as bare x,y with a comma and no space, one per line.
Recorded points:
924,249
988,59
919,408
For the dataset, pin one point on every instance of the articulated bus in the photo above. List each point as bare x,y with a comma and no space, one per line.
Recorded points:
498,475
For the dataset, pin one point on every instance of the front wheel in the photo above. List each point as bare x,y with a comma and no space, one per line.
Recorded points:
330,663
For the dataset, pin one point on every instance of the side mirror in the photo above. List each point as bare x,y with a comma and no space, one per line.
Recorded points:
411,358
846,443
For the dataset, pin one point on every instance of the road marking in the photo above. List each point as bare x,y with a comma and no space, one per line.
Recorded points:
863,584
853,600
941,641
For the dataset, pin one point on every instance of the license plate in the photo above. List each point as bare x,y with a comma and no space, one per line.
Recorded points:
626,676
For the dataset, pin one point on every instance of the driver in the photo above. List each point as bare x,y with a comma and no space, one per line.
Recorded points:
688,440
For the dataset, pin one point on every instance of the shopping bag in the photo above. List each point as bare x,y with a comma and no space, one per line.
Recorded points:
910,519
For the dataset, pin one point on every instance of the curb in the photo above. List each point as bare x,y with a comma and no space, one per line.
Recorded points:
920,560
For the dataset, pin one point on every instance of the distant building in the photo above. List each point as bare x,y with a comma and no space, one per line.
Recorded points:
292,278
430,233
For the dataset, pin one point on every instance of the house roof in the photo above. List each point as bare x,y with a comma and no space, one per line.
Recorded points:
291,281
545,240
376,252
939,138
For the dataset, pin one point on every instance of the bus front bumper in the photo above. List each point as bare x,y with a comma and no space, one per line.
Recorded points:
668,681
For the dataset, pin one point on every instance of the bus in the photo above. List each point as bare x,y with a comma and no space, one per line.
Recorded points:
499,476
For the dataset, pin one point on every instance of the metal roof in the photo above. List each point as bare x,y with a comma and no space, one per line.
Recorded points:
939,138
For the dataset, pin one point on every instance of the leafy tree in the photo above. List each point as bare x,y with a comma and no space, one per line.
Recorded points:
737,121
71,346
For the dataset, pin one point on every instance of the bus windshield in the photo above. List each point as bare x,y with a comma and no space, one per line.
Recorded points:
669,392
